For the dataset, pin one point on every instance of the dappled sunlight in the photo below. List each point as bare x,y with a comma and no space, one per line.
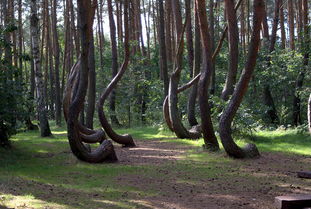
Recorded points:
26,201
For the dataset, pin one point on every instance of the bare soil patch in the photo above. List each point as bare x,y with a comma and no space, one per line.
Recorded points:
239,184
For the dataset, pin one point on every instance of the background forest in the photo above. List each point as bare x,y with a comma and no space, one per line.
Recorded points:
277,95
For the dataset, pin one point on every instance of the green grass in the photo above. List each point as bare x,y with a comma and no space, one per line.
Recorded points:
41,172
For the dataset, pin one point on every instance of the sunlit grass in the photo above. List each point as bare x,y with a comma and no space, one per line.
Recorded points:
35,165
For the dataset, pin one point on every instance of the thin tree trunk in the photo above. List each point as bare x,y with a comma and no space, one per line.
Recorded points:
163,58
283,33
268,99
44,124
114,67
56,54
196,70
91,95
189,36
233,34
291,24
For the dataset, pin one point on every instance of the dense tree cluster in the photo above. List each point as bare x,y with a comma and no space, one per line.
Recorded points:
201,68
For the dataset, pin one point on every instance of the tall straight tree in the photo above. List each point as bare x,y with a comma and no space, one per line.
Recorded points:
196,70
56,54
41,107
268,98
291,24
233,36
163,57
114,67
91,94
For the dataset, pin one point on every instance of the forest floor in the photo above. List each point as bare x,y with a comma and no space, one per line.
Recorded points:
161,172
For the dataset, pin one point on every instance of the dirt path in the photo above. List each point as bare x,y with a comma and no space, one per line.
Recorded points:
184,183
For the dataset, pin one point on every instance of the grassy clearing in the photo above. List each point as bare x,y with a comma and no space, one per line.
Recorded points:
41,172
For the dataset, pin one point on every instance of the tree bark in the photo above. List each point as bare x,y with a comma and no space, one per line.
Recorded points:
114,67
86,12
268,99
41,107
283,33
126,140
189,36
233,35
291,24
227,117
179,129
91,95
56,53
196,70
209,136
163,57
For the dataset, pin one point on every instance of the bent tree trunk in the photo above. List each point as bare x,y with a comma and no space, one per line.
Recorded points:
178,127
210,139
76,92
126,140
226,119
41,107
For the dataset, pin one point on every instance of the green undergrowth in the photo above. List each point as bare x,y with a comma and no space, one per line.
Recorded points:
42,172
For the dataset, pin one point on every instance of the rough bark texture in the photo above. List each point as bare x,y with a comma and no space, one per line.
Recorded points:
233,36
210,139
126,140
41,107
228,115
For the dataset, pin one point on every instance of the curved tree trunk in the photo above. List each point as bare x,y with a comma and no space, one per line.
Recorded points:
233,36
126,140
226,119
76,99
196,70
179,129
41,107
210,139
